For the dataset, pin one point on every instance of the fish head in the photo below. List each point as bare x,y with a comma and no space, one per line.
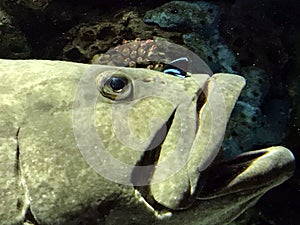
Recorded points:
155,131
77,137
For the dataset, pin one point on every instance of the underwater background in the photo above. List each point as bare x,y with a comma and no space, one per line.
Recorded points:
258,39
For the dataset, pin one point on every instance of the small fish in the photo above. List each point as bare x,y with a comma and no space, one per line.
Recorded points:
177,67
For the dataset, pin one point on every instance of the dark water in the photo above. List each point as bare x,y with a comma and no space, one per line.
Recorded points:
264,34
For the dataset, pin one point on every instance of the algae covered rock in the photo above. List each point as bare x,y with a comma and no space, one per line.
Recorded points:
214,52
258,86
102,33
199,23
186,16
256,119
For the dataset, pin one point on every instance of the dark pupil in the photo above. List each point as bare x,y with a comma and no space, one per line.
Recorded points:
117,83
174,11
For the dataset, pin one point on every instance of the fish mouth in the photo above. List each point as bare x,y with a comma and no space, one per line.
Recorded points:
253,170
141,179
150,157
181,165
152,152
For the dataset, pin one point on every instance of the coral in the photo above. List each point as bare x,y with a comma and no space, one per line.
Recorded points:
249,128
215,53
13,43
258,86
91,39
88,39
199,24
186,16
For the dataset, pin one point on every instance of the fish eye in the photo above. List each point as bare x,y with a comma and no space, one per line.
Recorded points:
116,83
116,87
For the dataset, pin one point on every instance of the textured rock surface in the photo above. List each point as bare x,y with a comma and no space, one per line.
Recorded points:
26,4
199,23
89,39
213,51
255,120
13,43
186,16
258,86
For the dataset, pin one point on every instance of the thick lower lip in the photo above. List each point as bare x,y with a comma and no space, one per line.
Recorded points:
220,175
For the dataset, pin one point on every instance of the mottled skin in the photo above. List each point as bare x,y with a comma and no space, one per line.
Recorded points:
44,178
